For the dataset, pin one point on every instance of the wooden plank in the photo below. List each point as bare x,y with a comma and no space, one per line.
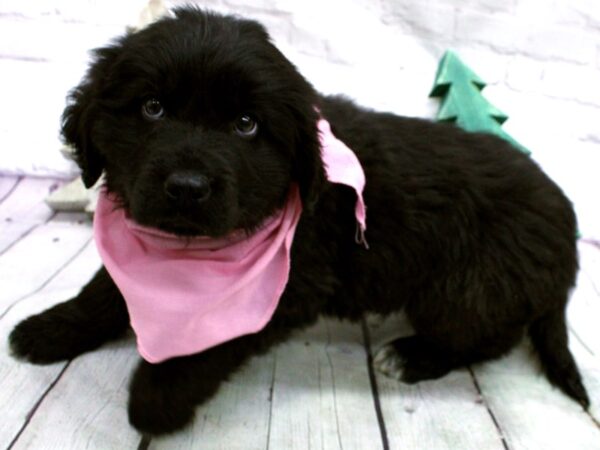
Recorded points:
321,393
33,260
23,384
236,418
26,201
7,185
88,406
441,414
530,412
589,366
24,209
583,311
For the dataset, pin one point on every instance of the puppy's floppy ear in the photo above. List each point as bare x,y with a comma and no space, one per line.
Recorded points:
79,116
308,170
76,130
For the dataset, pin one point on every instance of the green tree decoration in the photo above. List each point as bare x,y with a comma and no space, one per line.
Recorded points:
462,101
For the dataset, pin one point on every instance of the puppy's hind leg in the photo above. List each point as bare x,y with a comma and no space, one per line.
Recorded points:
96,315
412,359
426,357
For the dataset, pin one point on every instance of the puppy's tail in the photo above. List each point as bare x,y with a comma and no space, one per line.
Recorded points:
549,337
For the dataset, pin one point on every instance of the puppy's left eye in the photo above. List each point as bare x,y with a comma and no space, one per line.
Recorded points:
245,126
152,110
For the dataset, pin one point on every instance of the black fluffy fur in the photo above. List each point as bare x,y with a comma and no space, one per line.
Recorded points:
466,234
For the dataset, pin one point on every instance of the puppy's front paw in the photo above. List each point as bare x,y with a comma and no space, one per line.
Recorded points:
162,396
154,411
42,340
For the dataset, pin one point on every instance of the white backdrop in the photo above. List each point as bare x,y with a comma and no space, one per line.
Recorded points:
541,59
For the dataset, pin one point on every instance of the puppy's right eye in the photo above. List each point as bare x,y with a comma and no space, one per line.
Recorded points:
152,110
245,126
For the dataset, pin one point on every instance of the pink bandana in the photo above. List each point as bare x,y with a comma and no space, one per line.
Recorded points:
184,296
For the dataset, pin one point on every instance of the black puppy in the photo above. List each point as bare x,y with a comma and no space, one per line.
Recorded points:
466,234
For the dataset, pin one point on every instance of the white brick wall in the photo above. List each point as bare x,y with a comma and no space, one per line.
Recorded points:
541,59
43,52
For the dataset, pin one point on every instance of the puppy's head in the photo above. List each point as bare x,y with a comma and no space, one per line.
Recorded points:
199,123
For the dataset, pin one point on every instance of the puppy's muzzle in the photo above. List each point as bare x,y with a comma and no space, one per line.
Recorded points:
187,187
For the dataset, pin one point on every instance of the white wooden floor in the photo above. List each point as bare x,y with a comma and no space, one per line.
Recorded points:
316,391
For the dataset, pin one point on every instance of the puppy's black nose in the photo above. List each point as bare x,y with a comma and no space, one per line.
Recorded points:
187,186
